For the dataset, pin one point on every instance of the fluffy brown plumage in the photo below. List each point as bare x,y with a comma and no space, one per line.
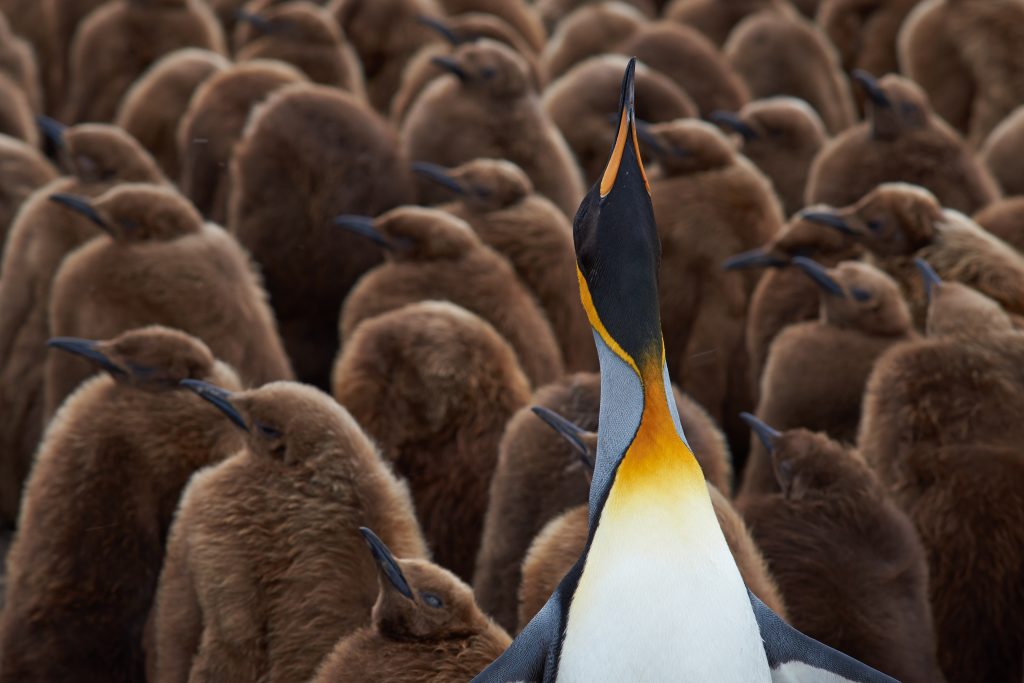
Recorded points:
160,264
864,32
709,203
23,169
265,567
582,100
432,254
434,385
1004,218
335,155
118,41
815,373
717,18
1003,151
519,14
902,140
589,31
425,628
539,476
96,158
18,62
497,199
156,102
849,564
782,53
16,116
554,12
39,24
491,111
82,572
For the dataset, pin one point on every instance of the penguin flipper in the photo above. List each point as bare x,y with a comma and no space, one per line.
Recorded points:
531,656
798,658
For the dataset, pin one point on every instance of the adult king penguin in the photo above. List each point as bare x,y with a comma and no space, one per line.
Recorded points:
655,595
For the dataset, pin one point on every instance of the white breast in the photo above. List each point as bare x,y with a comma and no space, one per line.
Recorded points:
661,599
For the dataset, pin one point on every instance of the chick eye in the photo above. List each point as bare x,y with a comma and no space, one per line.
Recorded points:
487,73
432,600
268,431
874,225
860,294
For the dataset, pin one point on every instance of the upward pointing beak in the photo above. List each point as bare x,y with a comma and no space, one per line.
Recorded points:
871,88
221,398
766,434
52,130
930,278
626,134
82,207
820,276
386,562
568,431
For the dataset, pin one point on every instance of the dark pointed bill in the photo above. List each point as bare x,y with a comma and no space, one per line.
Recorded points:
441,28
81,206
87,349
871,88
52,130
732,121
439,175
830,220
626,134
569,431
820,276
386,562
755,258
363,226
261,24
930,278
221,398
450,65
766,434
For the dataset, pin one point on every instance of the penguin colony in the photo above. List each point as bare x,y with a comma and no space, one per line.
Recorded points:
512,340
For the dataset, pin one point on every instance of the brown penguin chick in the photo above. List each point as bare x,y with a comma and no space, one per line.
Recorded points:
97,157
540,475
581,101
464,28
717,18
781,136
335,155
213,123
898,222
690,59
452,384
704,189
939,428
23,169
425,628
848,561
159,264
864,32
498,201
18,62
265,566
386,34
554,12
305,36
588,32
902,140
783,53
431,254
550,557
82,572
487,108
156,102
1002,152
16,116
115,44
784,296
816,371
519,14
1004,218
965,55
37,23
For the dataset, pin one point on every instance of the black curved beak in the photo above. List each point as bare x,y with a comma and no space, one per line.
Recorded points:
449,64
732,121
386,562
930,278
766,434
52,130
261,24
363,226
755,258
819,275
828,219
81,206
871,88
438,174
87,349
568,431
221,398
441,28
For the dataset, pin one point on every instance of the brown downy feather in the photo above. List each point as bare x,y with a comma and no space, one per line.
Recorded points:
23,170
589,31
554,13
717,18
864,32
1003,151
1004,218
18,62
519,14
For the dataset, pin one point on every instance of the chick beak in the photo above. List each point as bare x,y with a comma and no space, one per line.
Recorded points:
221,398
53,132
766,434
386,563
82,207
820,276
830,220
261,24
363,226
930,278
732,121
438,174
441,28
451,65
755,258
568,431
871,88
87,349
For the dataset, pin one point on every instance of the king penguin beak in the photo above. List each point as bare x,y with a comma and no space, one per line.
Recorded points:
450,65
82,207
755,258
626,135
221,398
732,121
871,88
386,562
87,349
766,434
52,130
438,174
261,24
930,278
441,28
830,220
569,431
363,226
820,276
